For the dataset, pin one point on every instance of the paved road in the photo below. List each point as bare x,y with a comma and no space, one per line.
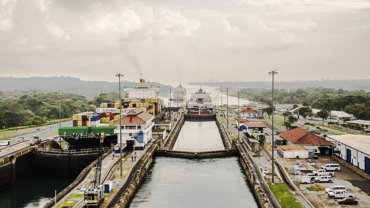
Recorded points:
43,132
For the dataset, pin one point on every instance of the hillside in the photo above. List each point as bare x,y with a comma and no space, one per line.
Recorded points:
66,85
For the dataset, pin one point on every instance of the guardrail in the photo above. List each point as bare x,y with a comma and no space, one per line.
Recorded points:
72,152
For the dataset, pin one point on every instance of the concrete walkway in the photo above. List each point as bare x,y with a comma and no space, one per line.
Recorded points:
110,171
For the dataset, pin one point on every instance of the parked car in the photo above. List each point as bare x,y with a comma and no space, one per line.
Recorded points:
340,194
331,167
323,179
335,188
350,201
307,179
323,172
36,140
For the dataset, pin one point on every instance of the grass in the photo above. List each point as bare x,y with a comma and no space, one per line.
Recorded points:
67,203
76,196
315,188
285,198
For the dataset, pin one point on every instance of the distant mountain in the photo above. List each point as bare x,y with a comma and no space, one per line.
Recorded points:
355,84
67,85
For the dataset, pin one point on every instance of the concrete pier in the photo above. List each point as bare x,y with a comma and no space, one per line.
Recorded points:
197,155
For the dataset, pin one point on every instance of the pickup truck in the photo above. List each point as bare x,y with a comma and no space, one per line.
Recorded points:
323,179
323,172
340,194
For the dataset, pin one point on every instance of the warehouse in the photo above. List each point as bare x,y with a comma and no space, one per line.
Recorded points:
355,149
292,151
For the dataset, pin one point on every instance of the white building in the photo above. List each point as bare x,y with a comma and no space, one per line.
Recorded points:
365,124
136,129
247,113
143,90
292,151
355,149
340,116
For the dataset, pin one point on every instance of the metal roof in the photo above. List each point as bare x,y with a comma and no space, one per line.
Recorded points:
359,142
361,122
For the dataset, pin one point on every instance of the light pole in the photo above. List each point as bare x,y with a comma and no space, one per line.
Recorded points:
273,73
221,100
227,108
119,75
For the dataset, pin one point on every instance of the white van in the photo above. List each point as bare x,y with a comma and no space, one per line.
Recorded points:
335,188
331,167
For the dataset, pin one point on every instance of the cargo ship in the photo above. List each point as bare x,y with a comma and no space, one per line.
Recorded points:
178,96
200,105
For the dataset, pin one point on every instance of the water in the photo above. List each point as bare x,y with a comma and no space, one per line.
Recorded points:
199,136
194,183
203,183
32,192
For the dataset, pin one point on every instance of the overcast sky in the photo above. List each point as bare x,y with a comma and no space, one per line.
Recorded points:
174,41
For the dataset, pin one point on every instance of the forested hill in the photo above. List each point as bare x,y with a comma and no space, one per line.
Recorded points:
88,89
354,84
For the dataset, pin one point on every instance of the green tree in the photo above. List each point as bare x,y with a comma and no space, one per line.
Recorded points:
323,114
361,111
286,114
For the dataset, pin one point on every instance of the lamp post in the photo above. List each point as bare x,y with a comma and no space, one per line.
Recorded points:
227,108
4,131
119,75
273,73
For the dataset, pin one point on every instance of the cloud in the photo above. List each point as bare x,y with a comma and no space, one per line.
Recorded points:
185,40
6,14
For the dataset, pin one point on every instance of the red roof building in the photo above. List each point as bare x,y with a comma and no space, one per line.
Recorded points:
303,137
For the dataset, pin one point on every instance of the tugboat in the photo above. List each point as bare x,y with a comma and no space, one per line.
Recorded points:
200,106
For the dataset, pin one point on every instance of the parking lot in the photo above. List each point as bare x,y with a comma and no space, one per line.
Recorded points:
346,177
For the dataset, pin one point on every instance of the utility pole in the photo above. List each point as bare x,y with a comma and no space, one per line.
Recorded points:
221,100
273,73
119,75
170,102
227,108
238,119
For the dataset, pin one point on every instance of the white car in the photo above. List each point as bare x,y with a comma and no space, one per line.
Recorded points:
331,167
340,194
335,188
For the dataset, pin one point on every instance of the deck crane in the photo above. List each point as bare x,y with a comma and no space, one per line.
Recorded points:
94,196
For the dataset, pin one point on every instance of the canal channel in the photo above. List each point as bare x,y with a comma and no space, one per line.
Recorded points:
195,183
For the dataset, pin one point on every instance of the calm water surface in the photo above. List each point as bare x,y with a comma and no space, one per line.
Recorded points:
199,136
32,192
178,183
194,183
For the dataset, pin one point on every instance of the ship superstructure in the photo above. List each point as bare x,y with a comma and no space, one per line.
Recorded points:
200,103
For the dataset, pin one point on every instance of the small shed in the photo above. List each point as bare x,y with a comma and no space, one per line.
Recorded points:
292,151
